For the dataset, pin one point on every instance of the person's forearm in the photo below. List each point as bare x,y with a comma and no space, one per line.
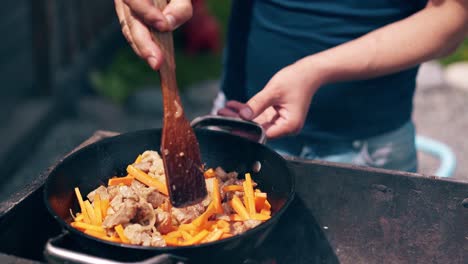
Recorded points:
431,33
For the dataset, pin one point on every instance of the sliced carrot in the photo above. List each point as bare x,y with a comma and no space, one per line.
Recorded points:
102,236
261,217
186,235
82,206
138,159
171,241
265,212
260,199
197,238
217,197
79,217
203,218
223,225
226,235
97,209
237,205
188,227
175,234
213,236
90,212
146,179
210,173
249,194
104,207
84,226
267,205
127,180
120,231
233,188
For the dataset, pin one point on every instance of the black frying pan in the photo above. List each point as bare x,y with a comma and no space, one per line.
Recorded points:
96,163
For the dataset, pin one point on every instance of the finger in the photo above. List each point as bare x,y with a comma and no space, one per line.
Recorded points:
119,8
141,37
227,112
147,12
178,12
258,104
278,128
235,105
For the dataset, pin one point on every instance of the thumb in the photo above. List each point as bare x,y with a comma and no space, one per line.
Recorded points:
257,104
178,12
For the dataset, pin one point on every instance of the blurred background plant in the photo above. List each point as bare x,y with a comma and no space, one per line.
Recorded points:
461,54
127,73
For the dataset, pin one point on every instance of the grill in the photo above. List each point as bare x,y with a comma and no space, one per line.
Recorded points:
341,214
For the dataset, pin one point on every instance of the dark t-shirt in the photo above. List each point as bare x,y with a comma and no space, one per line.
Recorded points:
266,35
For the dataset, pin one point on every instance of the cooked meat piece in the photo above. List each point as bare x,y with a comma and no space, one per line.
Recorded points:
227,208
155,198
224,176
145,215
238,228
145,236
187,214
163,221
143,166
123,212
128,193
101,190
251,223
113,191
144,192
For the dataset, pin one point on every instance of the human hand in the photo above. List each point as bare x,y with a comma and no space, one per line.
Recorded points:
281,107
138,17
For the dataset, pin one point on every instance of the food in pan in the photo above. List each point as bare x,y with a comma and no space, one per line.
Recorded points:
135,209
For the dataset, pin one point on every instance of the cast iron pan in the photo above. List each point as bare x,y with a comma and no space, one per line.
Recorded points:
96,163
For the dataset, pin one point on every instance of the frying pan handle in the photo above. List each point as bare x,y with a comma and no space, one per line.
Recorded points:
236,126
56,254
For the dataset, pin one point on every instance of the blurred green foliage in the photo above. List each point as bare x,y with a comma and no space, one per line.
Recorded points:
128,73
461,54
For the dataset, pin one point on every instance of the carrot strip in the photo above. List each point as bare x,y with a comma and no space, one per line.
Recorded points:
171,241
232,188
174,234
203,218
148,180
249,194
210,173
82,206
138,159
84,226
226,235
186,235
120,231
213,236
237,205
217,197
120,180
265,212
223,225
260,217
102,236
79,218
260,199
97,209
197,238
187,227
104,207
267,205
90,211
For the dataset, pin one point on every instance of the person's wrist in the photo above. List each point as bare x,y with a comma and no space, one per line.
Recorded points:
315,71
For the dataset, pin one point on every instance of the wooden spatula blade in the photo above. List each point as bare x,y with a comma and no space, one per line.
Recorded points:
182,163
179,146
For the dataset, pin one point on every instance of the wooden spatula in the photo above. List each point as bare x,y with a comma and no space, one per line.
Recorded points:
179,146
